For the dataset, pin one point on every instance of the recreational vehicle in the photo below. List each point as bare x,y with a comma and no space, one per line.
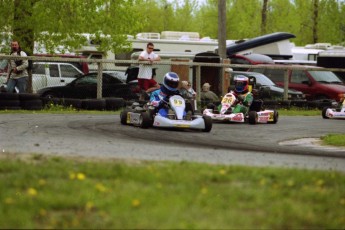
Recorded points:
275,45
334,58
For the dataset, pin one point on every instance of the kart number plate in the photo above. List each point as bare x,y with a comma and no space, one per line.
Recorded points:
177,102
227,100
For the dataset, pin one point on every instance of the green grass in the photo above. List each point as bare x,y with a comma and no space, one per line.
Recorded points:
299,112
334,139
51,192
37,191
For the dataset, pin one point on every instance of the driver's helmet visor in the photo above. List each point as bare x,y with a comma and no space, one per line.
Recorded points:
240,85
172,84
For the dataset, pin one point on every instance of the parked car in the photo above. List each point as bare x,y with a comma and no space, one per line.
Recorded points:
86,87
315,84
82,66
121,75
267,89
53,74
50,73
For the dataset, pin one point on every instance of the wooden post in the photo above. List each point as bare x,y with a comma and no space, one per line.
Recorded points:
99,79
226,78
286,84
198,82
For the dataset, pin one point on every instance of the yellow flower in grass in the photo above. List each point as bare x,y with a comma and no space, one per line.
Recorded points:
43,212
135,203
262,182
78,176
72,175
204,191
290,183
81,176
89,206
342,201
320,183
222,172
100,187
31,192
9,200
42,182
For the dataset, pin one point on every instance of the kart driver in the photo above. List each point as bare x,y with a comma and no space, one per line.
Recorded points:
244,97
160,97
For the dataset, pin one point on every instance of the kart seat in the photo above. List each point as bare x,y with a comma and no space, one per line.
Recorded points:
256,105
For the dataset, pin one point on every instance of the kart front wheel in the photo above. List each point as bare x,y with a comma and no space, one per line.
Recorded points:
208,123
145,121
252,117
123,116
324,110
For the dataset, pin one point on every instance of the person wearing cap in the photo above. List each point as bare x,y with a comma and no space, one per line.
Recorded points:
206,95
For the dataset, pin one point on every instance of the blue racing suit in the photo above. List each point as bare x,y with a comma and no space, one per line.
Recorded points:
160,100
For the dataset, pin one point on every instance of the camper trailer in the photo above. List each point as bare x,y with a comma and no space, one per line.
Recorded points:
334,58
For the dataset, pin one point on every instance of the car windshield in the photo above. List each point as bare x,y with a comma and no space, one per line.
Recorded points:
119,75
263,80
87,80
325,77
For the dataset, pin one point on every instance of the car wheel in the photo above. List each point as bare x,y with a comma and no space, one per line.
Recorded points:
49,95
145,120
324,113
123,116
208,123
252,117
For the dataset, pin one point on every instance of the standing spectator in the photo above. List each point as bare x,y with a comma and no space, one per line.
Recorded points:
17,75
207,96
146,81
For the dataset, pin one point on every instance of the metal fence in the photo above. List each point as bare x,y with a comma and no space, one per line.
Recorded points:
53,71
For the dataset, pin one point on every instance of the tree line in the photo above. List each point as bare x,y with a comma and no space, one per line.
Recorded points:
64,22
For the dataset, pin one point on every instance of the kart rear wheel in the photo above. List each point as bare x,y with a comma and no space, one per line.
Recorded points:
123,116
145,121
208,123
324,113
252,117
275,117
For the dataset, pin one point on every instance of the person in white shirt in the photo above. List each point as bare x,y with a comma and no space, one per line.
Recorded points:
146,82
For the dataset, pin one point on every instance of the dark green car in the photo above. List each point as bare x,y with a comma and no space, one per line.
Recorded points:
266,89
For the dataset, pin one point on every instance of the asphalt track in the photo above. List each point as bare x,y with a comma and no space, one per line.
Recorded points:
243,144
